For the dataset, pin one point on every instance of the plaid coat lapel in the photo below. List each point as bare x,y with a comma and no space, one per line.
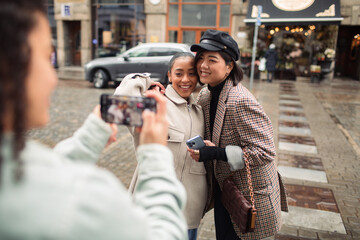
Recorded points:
205,98
220,112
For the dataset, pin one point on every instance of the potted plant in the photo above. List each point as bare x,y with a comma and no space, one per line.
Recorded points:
320,56
245,56
329,53
329,57
246,52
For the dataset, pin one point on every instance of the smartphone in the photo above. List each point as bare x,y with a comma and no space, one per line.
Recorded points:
125,110
196,142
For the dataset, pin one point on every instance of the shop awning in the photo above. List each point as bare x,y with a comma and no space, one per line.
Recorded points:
295,12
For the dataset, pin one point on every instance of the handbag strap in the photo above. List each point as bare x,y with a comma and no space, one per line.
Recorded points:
248,173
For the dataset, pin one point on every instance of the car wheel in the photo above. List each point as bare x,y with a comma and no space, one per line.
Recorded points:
100,78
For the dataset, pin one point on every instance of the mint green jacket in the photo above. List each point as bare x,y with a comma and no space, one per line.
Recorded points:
64,195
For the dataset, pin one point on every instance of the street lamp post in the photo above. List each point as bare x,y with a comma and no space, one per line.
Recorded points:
257,24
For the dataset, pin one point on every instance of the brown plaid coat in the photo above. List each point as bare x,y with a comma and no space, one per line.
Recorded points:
241,121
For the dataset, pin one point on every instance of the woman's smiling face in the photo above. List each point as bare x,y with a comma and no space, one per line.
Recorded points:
183,76
212,68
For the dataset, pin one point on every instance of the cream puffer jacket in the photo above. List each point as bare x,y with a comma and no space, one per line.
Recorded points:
186,120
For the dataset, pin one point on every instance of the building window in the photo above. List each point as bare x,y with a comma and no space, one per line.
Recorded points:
189,19
174,13
224,15
172,36
199,15
117,26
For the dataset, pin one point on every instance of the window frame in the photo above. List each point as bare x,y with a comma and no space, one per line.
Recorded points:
198,29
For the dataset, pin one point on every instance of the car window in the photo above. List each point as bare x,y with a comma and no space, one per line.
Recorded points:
140,52
162,51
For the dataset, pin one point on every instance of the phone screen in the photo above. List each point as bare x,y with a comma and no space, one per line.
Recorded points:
125,110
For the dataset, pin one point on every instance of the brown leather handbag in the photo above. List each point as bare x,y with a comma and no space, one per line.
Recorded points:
240,210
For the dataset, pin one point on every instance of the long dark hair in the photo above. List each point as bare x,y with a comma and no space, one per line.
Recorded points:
236,75
17,19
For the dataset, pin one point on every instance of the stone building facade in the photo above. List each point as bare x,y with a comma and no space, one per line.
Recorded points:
86,29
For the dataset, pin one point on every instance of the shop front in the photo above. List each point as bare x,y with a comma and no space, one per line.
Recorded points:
304,33
73,36
88,29
116,26
348,52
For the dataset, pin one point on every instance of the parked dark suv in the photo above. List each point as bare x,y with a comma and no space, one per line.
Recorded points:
147,57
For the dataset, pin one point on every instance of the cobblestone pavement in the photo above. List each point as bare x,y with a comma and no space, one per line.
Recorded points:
326,115
325,120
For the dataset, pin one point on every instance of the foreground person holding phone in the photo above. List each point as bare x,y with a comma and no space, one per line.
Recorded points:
60,193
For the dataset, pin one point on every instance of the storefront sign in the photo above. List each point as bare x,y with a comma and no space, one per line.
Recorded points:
241,35
66,10
292,5
69,1
155,2
294,11
154,38
327,12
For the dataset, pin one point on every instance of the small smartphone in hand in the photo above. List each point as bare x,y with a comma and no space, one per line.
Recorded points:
195,143
125,110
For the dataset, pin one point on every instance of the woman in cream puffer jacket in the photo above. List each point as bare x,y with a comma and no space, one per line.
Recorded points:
186,120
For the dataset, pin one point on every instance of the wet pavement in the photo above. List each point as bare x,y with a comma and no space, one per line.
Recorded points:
317,135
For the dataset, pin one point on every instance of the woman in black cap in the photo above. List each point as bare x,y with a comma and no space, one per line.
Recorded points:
237,130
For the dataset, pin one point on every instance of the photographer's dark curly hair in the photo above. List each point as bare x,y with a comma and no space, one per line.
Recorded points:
17,19
236,74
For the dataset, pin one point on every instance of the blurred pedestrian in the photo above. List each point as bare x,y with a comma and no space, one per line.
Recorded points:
293,57
271,57
236,130
60,193
186,120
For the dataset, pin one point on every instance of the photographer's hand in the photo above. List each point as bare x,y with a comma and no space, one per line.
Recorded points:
155,125
158,87
195,154
113,126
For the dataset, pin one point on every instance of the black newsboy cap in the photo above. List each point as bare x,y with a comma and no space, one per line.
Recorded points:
214,40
